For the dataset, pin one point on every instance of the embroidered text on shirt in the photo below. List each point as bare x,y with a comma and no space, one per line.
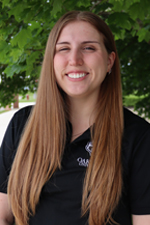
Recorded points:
85,162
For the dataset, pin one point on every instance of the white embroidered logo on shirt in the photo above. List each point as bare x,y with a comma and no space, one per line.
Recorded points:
88,147
85,162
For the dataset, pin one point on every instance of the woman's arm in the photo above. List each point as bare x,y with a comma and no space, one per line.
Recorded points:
141,219
6,216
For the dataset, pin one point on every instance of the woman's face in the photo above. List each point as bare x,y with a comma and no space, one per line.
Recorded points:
81,61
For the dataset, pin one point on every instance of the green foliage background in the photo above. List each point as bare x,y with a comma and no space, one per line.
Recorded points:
26,24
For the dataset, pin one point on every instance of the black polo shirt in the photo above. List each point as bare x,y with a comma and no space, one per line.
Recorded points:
60,200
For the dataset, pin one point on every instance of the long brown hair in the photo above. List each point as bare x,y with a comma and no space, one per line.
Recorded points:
41,147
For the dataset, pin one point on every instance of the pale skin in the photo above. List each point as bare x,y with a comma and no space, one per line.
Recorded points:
81,54
79,50
6,216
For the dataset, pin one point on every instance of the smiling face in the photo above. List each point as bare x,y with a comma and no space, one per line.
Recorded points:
81,61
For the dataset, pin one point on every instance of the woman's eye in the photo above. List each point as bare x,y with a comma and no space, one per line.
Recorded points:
88,48
63,49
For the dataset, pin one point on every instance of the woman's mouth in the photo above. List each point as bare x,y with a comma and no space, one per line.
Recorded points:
76,75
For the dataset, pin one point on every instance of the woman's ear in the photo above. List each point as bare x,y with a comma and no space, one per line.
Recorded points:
111,59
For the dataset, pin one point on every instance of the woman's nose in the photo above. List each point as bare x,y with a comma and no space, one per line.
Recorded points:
76,58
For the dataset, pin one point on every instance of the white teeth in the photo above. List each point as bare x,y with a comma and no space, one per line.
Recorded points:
76,75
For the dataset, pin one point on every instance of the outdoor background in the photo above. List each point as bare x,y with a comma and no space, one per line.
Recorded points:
26,24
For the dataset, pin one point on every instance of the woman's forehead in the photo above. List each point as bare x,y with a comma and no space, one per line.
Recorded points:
79,30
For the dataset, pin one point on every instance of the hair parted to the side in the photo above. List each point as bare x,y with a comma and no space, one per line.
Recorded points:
41,147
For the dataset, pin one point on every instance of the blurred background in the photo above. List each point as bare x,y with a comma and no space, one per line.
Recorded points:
24,29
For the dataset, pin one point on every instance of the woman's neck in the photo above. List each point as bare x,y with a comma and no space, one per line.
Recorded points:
82,115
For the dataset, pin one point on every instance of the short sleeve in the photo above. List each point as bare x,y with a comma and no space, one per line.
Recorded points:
140,175
10,144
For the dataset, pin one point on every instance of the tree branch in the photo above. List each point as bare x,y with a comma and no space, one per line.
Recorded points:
96,3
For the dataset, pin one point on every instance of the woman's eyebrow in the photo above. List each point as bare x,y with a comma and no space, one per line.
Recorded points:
62,43
84,42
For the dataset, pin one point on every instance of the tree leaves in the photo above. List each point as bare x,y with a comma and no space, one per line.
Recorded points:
21,39
31,60
15,54
143,34
14,69
120,19
25,26
17,10
57,6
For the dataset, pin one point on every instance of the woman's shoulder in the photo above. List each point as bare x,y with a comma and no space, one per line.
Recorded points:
23,113
12,136
136,162
134,122
15,128
136,136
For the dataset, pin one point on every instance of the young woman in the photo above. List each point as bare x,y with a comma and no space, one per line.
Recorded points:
77,157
